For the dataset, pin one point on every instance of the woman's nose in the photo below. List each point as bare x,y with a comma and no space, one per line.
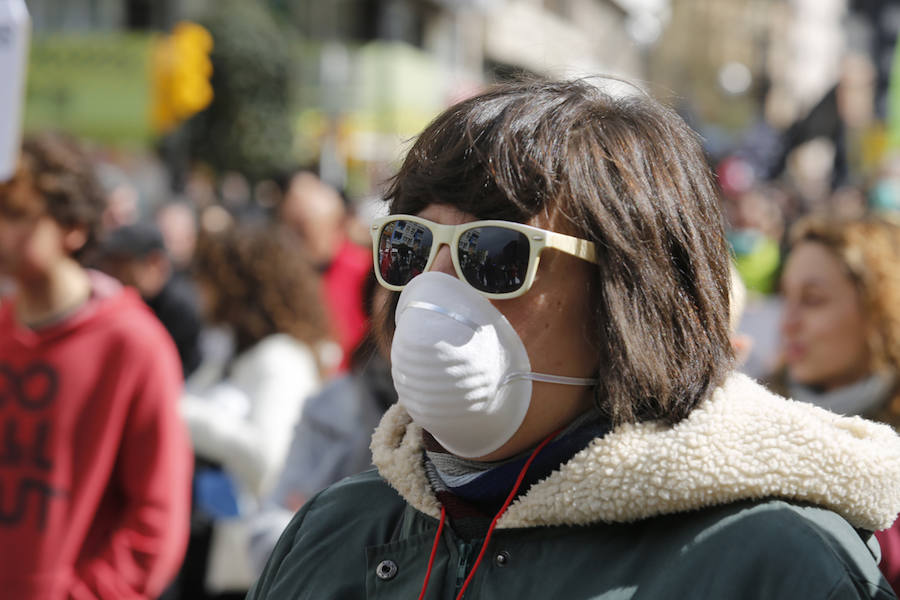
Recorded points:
790,319
443,263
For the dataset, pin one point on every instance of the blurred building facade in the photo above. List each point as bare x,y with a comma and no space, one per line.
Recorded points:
477,37
741,60
386,67
367,74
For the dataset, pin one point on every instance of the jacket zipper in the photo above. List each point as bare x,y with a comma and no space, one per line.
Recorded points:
465,551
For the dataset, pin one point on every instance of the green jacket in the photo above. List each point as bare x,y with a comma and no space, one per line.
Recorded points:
751,496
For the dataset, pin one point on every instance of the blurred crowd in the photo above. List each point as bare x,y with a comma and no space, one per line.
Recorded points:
267,293
267,299
266,289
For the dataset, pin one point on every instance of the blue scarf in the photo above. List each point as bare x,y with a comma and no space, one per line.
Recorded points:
473,492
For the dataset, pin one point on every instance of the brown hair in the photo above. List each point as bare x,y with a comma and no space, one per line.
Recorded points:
60,173
261,284
869,250
624,172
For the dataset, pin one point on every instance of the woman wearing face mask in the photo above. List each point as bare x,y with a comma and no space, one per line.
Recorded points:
841,327
568,423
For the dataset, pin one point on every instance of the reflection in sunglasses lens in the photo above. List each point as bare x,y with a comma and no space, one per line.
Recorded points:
403,250
494,259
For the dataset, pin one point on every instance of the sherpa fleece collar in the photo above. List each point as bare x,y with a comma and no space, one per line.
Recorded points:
743,442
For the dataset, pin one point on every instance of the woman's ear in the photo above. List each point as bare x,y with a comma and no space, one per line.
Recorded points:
75,238
742,344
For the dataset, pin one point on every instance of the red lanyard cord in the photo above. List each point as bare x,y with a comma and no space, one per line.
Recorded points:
490,531
434,547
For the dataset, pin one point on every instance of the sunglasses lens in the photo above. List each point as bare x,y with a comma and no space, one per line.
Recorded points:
494,259
403,250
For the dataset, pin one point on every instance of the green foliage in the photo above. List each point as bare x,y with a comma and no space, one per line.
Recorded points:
247,126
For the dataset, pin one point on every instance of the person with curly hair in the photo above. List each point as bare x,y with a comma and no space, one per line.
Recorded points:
254,281
841,318
331,438
95,463
841,326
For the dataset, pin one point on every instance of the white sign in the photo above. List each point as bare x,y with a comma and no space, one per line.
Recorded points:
15,30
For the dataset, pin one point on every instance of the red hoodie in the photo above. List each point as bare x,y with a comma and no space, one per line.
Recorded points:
343,284
95,463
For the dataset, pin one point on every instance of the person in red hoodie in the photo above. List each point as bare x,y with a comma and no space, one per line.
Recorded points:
95,462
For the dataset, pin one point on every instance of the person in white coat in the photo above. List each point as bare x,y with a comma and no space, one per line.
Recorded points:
331,439
255,282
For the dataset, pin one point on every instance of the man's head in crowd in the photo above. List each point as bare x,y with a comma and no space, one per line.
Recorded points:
51,208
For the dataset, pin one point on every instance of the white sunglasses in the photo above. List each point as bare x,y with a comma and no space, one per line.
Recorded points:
497,258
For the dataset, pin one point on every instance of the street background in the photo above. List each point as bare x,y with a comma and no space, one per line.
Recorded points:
200,114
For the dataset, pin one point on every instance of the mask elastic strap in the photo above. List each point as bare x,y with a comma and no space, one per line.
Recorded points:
543,377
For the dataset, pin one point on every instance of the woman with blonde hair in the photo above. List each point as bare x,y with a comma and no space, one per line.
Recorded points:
841,318
841,326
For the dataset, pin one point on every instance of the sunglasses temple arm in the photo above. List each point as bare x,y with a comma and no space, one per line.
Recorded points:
582,249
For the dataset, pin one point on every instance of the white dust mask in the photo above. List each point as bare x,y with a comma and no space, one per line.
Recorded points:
460,369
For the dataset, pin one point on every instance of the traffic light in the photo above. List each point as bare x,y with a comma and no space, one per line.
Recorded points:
181,72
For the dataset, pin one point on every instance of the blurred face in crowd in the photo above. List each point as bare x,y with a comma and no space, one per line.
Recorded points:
550,319
148,274
315,210
31,241
121,207
823,326
178,226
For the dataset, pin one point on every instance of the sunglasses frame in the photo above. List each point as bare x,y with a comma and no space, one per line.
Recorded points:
538,240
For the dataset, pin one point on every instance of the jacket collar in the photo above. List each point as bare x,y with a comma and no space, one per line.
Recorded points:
742,443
